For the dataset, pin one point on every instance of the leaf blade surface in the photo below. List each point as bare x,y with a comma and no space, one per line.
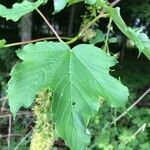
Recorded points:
78,78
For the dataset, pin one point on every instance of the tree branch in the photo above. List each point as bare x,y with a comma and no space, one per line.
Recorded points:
135,103
115,2
101,15
33,41
49,25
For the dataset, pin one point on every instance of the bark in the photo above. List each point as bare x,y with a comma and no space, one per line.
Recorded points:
25,27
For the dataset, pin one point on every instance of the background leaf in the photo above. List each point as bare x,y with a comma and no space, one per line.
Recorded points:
60,4
113,40
146,41
91,1
100,37
129,32
78,78
2,43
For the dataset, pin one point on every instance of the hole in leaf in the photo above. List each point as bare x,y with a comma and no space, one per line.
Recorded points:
73,103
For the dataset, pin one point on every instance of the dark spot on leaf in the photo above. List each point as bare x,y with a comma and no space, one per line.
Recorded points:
73,103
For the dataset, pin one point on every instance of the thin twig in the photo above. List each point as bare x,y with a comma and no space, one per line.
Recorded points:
4,115
115,2
106,48
49,25
3,105
36,40
3,98
22,140
9,133
101,15
142,128
136,102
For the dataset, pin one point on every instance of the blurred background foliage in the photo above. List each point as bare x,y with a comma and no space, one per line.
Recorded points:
132,71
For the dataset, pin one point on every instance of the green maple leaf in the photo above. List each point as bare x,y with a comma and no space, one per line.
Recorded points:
78,78
19,9
60,4
142,44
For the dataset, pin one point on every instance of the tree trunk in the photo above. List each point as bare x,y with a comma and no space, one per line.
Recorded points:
25,27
